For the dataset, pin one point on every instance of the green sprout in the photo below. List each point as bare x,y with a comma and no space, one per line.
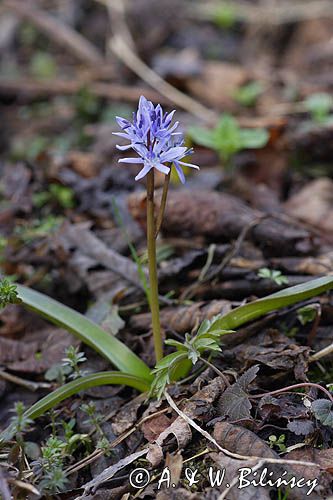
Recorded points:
72,360
247,95
319,106
62,195
205,340
224,15
40,228
273,275
277,442
43,65
228,138
307,314
20,421
8,293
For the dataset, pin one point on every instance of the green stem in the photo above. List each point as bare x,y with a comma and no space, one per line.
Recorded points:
163,203
152,264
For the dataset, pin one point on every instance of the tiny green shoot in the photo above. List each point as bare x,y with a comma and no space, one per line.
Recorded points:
273,275
228,138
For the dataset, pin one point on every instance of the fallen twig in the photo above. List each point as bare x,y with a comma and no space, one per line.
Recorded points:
34,89
61,33
27,384
275,14
128,57
321,354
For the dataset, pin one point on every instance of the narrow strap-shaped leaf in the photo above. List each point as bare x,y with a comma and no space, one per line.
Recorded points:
260,307
80,384
87,331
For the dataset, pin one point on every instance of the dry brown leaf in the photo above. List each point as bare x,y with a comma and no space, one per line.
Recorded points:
223,216
36,351
174,462
314,204
242,441
306,265
275,350
153,427
324,458
182,432
182,319
127,415
217,83
80,238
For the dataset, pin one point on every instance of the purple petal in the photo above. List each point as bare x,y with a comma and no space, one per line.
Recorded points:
174,126
122,122
180,173
131,160
189,165
121,134
173,154
124,148
168,118
143,172
162,168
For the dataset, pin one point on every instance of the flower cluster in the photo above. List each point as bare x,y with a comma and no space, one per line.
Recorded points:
152,136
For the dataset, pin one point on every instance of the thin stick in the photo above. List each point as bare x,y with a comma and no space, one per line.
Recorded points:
152,264
227,452
59,32
296,386
27,384
216,370
130,59
321,354
163,203
29,88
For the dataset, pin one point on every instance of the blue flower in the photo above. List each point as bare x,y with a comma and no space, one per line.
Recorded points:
152,136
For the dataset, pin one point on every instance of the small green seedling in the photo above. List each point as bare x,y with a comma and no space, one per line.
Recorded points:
277,442
62,195
273,275
248,94
43,65
319,106
228,138
39,228
206,340
8,293
72,360
224,15
307,314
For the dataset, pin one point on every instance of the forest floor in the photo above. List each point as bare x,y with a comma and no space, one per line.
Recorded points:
256,219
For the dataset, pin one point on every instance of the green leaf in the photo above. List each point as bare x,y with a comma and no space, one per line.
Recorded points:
87,331
248,94
43,65
252,138
319,105
323,411
307,314
168,361
228,136
224,15
80,384
176,344
284,298
203,137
